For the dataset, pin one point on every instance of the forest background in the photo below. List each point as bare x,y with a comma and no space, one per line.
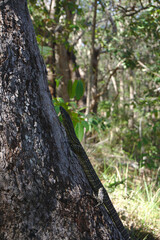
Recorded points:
103,67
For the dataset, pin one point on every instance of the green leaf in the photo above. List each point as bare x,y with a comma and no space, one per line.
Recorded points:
73,26
60,100
85,125
79,89
73,104
44,50
74,87
69,88
79,131
57,80
57,109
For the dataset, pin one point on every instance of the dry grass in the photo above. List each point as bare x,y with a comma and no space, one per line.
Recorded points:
134,191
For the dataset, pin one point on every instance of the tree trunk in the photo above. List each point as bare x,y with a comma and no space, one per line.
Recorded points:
131,96
44,192
63,71
121,94
95,59
65,58
51,61
92,75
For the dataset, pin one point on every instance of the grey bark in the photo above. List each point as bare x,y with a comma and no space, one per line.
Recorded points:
44,193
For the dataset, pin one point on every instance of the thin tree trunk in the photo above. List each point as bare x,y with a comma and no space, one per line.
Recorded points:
52,73
65,58
44,192
91,73
63,71
95,59
121,93
131,96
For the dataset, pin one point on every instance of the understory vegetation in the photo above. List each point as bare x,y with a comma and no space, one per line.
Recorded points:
134,190
130,175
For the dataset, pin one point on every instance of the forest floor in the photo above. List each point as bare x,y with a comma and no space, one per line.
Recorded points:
134,190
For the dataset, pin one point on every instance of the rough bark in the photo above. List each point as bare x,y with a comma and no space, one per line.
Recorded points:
44,193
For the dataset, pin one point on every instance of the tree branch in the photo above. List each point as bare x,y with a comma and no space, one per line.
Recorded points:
109,78
128,12
147,69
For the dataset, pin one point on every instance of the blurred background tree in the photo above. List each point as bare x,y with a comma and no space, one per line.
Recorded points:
104,56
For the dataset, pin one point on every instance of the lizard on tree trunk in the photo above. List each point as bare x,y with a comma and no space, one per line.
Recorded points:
92,177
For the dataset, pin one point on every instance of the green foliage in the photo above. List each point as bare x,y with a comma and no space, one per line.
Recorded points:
141,142
45,50
69,88
57,80
98,123
81,123
79,130
78,118
76,89
79,89
127,40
